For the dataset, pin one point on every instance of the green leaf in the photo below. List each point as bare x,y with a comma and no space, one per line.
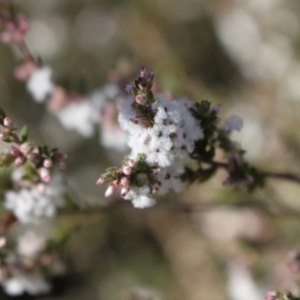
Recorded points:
2,113
24,134
46,151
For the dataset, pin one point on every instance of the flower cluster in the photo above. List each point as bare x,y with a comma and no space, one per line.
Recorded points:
161,135
36,187
27,267
30,204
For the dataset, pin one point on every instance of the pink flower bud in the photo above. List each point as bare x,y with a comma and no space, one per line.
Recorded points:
7,122
2,241
34,157
131,163
45,175
24,71
155,172
155,187
142,72
125,181
124,191
126,170
3,136
140,99
47,163
22,23
19,161
100,181
45,259
6,37
14,151
25,148
110,190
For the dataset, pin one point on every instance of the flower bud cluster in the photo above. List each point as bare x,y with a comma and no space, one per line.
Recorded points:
273,295
27,267
20,152
14,26
136,180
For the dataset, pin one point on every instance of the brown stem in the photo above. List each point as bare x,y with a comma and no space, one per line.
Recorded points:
268,174
25,51
283,176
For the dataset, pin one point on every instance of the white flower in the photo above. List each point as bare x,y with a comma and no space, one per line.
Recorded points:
171,137
140,197
78,116
30,244
143,202
33,284
29,204
13,286
234,122
40,84
170,178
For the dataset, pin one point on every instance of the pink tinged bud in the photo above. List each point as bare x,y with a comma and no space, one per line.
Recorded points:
142,72
47,163
131,163
124,191
45,259
3,136
110,190
6,37
155,187
19,161
22,23
128,88
14,151
140,99
100,181
126,170
34,157
155,172
125,181
25,148
2,241
45,175
7,122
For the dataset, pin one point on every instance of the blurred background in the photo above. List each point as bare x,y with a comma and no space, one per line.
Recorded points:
243,54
